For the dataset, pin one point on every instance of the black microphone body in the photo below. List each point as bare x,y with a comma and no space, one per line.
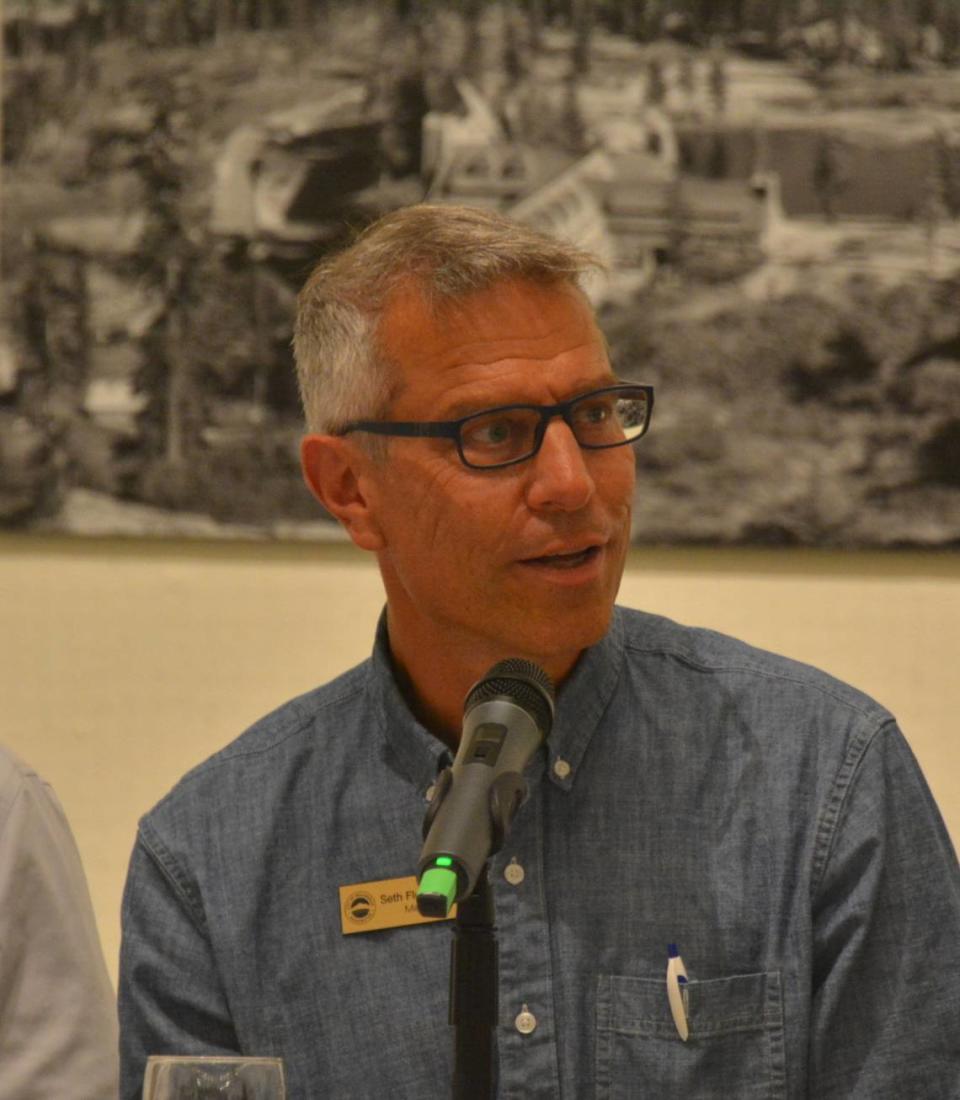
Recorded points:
507,717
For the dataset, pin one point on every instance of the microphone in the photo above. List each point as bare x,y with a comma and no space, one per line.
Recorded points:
507,716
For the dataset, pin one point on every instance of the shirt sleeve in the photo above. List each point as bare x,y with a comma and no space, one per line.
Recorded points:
171,999
58,1024
886,932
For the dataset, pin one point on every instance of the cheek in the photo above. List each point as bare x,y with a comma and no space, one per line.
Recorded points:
439,511
617,479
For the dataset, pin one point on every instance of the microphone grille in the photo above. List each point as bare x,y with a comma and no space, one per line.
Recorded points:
524,683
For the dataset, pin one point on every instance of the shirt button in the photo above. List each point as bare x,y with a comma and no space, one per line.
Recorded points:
561,769
526,1022
514,873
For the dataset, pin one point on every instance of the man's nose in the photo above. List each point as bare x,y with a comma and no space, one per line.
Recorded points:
559,478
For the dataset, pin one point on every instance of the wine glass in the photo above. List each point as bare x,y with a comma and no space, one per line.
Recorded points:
212,1077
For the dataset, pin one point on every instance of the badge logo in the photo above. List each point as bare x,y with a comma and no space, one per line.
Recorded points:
360,907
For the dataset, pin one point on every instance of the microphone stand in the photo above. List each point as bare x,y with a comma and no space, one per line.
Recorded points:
507,716
474,955
474,993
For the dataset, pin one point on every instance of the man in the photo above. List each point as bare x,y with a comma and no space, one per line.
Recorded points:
58,1028
765,818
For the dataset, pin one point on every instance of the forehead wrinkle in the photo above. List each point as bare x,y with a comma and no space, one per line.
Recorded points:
470,402
409,323
473,342
494,368
487,353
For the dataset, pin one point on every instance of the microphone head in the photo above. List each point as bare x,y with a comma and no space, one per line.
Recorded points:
523,683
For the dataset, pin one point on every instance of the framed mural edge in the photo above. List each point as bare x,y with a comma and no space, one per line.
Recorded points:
775,191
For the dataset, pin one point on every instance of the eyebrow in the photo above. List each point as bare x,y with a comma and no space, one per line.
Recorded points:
464,408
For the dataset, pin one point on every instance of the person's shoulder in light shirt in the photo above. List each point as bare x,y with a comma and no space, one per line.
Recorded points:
58,1032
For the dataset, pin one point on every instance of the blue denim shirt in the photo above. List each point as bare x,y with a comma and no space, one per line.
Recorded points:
766,818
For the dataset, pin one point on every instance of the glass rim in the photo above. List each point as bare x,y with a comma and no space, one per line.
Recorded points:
447,428
207,1059
537,410
453,429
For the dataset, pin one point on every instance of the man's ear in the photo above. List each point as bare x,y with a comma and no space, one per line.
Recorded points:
338,475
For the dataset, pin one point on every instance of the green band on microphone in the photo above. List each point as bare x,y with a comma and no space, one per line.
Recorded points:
437,891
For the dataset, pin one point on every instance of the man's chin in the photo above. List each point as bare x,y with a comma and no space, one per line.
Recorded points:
560,639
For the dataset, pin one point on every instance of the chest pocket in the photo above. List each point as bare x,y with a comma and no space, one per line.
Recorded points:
735,1048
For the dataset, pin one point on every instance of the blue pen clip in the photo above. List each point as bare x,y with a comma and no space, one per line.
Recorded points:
677,992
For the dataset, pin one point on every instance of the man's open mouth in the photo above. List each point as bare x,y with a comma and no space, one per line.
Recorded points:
566,561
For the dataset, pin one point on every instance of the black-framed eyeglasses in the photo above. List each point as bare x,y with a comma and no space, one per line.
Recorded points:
487,440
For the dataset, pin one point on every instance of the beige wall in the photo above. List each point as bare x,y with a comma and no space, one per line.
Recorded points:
122,664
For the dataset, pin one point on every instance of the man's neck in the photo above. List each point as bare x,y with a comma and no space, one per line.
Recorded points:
435,679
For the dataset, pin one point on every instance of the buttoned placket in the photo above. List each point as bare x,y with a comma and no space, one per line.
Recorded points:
527,1040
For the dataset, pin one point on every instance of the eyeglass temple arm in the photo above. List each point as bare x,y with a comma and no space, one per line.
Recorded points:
442,429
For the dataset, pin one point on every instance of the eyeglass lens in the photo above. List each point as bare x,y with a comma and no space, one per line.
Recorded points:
509,434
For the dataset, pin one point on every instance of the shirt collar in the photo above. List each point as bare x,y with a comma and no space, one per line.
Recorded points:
418,754
581,703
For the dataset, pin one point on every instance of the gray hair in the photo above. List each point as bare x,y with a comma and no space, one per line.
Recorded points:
443,253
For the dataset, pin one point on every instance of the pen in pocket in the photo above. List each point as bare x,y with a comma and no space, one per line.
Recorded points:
676,991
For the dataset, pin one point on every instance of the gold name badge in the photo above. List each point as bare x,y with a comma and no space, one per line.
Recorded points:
389,903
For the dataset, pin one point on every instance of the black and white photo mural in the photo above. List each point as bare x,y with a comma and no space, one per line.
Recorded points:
773,184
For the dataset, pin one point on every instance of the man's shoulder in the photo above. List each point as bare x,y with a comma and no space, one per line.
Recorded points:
278,744
703,652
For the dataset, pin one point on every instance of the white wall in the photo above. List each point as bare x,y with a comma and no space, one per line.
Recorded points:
122,664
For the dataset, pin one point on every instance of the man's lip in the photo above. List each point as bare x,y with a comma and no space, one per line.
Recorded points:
567,550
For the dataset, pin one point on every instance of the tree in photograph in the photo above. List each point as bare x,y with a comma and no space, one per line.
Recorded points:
168,257
301,15
573,129
656,89
947,22
828,180
717,81
582,16
774,21
710,16
627,17
117,17
687,75
946,166
403,99
536,17
678,225
80,69
718,161
839,54
936,197
472,63
898,35
514,67
225,17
